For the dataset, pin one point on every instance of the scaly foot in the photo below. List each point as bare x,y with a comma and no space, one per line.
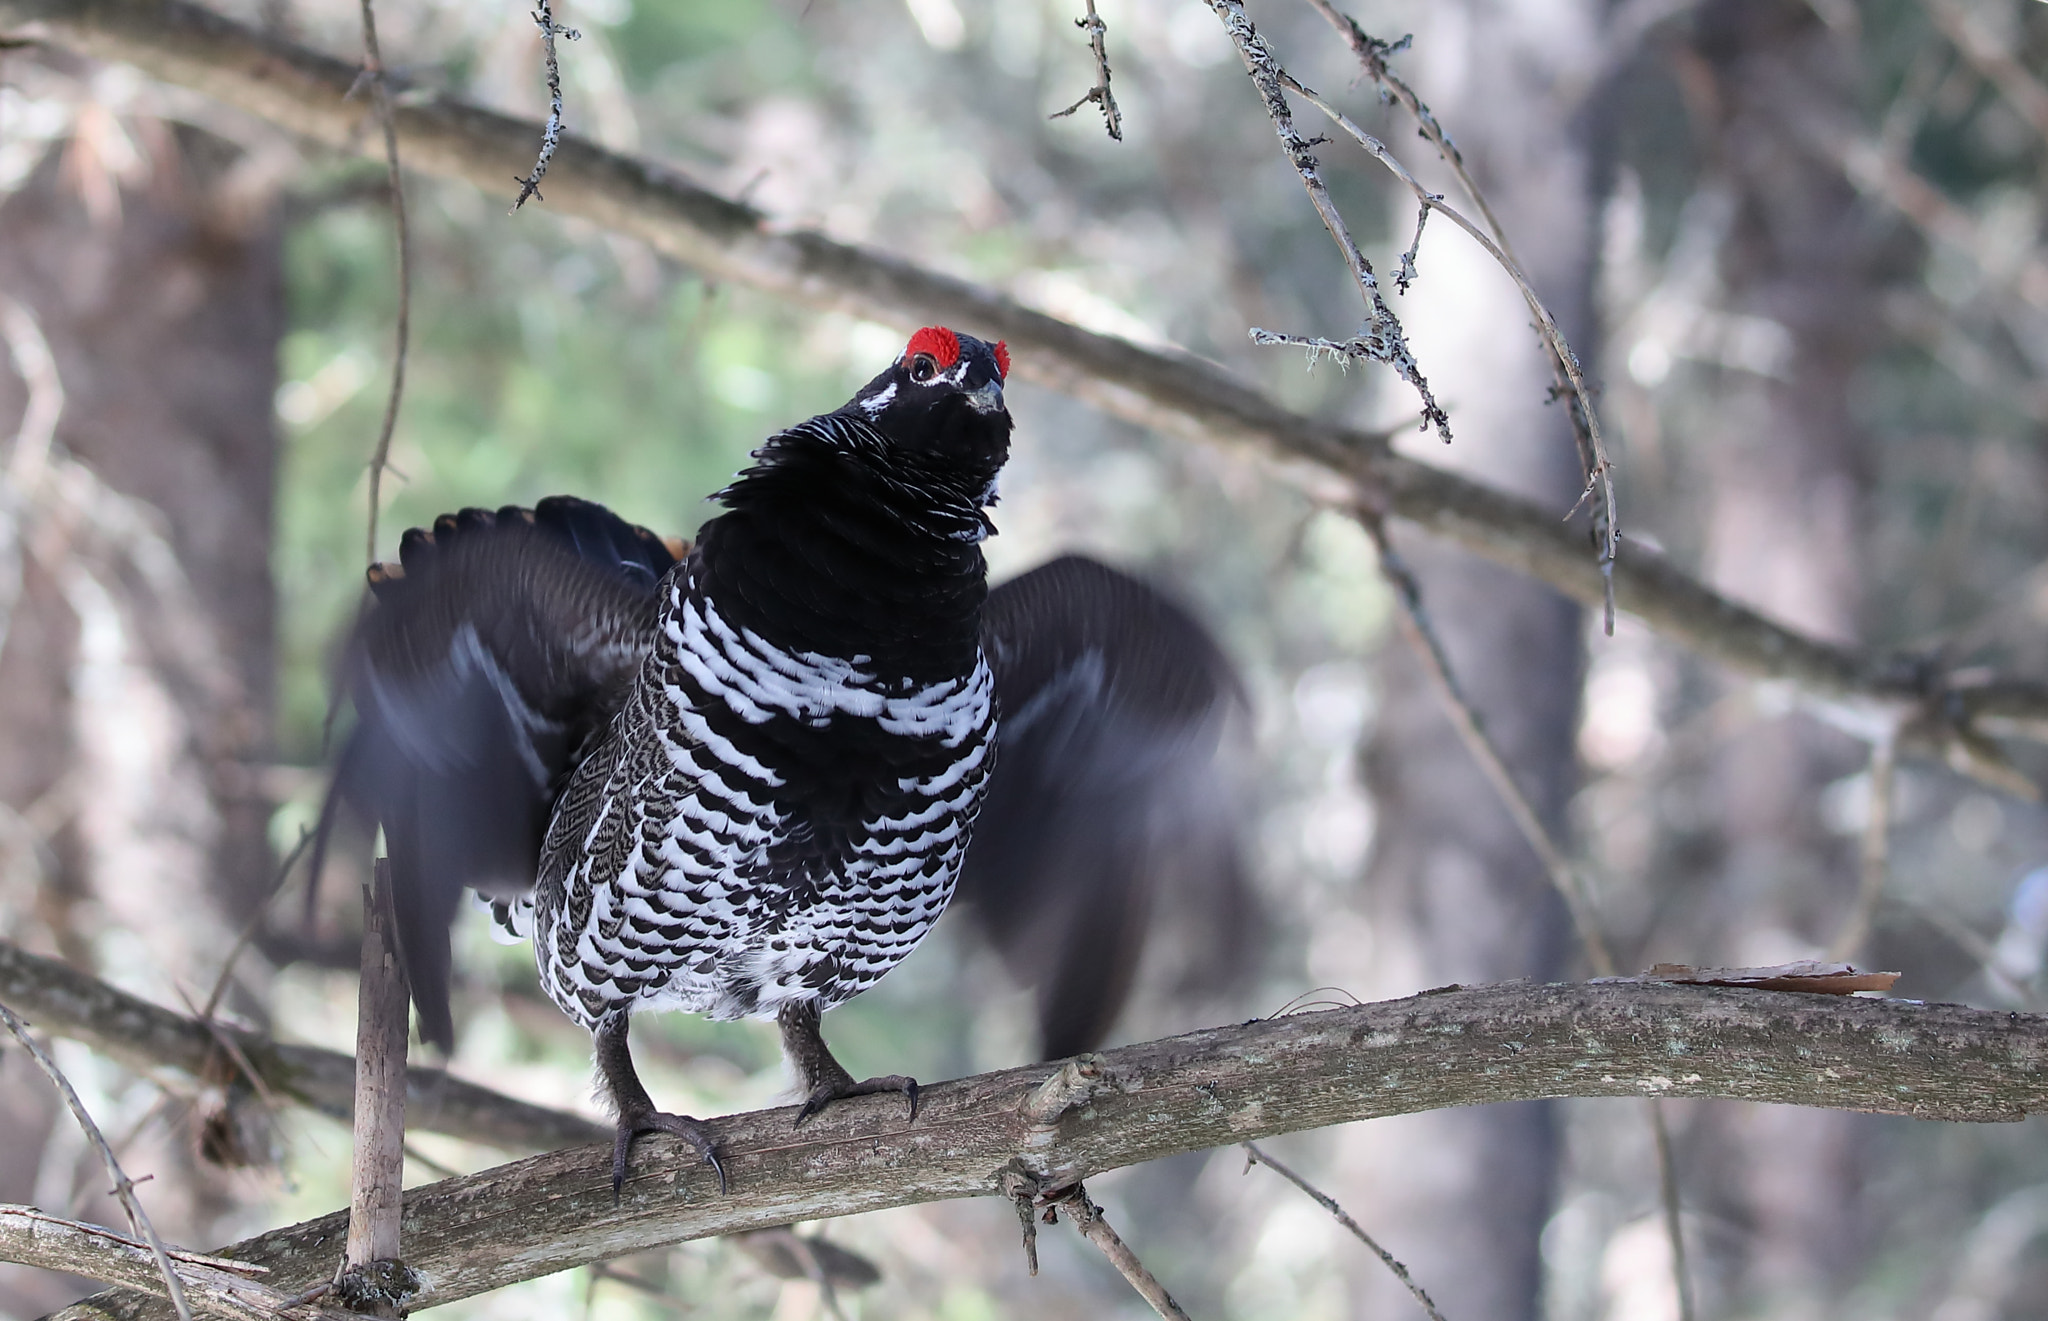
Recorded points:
826,1080
650,1120
636,1111
833,1089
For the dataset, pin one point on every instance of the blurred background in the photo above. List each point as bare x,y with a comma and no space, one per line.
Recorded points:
1798,245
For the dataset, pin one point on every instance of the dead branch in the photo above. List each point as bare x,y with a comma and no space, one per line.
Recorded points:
1471,730
1599,469
1381,338
215,1286
380,96
1166,389
1254,1156
374,1280
1557,865
1570,379
1674,1218
154,1041
124,1187
1088,1219
1099,94
551,136
1061,1124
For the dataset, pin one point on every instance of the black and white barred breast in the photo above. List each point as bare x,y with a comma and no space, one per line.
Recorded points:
762,824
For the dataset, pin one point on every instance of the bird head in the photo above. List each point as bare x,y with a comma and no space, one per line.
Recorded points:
940,404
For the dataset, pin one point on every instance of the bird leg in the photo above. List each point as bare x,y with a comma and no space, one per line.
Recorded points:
635,1108
825,1080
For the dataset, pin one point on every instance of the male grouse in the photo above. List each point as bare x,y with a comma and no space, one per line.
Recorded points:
740,778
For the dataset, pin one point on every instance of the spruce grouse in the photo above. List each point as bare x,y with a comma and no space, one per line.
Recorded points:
741,778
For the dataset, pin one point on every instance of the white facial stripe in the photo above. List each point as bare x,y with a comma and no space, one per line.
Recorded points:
875,405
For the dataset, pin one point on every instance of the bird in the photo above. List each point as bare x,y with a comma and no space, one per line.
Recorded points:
740,776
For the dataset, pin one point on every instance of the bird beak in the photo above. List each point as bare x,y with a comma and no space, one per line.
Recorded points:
988,399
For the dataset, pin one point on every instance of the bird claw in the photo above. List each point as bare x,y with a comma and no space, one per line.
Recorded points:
657,1121
836,1089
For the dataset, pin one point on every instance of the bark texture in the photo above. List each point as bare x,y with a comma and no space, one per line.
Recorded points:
1061,1123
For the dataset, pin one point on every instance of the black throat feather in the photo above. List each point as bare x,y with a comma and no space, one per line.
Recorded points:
839,542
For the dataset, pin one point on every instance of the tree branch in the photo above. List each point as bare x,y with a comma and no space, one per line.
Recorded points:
150,1039
215,1287
124,1187
1060,1124
1169,390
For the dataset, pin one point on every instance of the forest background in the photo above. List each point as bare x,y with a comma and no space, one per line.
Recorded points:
1797,245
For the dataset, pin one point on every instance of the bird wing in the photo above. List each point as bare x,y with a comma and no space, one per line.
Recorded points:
1106,792
479,670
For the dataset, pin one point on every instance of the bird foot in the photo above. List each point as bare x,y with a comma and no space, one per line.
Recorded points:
635,1122
834,1089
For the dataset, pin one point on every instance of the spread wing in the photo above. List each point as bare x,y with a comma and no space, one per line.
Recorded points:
478,670
1106,799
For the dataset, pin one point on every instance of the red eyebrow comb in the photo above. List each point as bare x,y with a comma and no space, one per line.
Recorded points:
941,343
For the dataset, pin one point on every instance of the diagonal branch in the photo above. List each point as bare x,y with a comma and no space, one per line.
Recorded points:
124,1187
1061,1124
1565,369
1169,390
150,1039
215,1286
380,97
1253,1155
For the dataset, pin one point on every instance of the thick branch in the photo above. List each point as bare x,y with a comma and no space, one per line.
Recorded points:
1165,389
1061,1124
147,1038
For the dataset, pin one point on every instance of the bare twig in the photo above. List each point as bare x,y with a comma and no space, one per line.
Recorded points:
215,1285
374,1279
253,925
1465,719
1254,1156
1100,93
551,136
380,97
1674,1224
124,1187
1571,886
1570,377
155,1041
1165,389
1381,338
1087,1218
1876,852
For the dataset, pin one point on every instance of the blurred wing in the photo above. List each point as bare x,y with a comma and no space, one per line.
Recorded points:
478,670
1106,796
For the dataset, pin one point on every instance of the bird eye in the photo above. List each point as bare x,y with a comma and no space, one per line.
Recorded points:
923,367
